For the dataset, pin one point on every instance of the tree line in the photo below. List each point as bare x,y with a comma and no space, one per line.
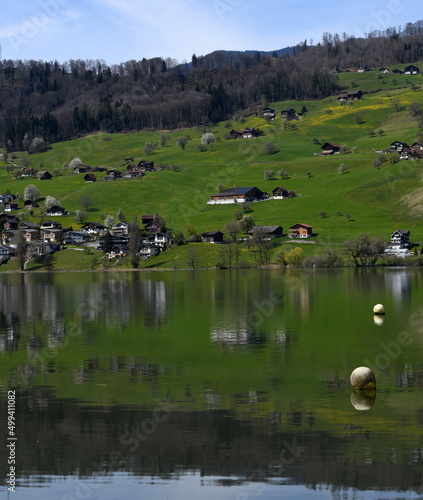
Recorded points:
58,101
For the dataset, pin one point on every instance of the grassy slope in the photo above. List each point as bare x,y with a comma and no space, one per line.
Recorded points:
372,197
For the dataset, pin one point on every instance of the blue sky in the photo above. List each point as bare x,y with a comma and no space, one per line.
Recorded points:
121,30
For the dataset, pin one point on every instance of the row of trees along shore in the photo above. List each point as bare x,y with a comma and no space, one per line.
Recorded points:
58,101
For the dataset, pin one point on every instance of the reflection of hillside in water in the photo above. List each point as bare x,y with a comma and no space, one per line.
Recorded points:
41,306
166,444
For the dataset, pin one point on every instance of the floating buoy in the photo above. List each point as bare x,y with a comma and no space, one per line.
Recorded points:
379,309
363,378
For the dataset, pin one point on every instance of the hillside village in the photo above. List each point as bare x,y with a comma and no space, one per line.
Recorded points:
30,227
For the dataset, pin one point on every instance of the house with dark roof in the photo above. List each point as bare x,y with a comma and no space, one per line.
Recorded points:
56,211
351,95
212,237
145,165
269,113
74,237
236,195
281,193
10,206
397,147
51,224
411,70
400,243
82,169
289,114
269,232
235,134
94,228
113,174
30,204
330,148
90,178
44,175
149,250
249,132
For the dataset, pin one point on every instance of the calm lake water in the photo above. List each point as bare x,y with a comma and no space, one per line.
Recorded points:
205,385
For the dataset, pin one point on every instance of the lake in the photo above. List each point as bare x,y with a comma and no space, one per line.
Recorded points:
211,384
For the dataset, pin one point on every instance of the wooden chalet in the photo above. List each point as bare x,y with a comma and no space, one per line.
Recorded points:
94,228
51,224
351,95
397,147
236,195
411,70
383,70
152,227
212,237
330,148
90,178
28,225
113,174
44,175
52,235
10,223
147,218
398,72
10,206
289,114
300,231
145,165
400,239
249,132
82,169
56,211
269,113
280,193
270,232
235,134
27,172
400,244
30,204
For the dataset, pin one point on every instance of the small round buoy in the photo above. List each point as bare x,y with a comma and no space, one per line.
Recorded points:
363,378
379,309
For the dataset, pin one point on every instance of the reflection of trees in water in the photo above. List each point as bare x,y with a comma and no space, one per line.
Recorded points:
247,312
74,439
39,307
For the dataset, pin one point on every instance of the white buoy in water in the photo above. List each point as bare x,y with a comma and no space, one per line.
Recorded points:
363,378
379,309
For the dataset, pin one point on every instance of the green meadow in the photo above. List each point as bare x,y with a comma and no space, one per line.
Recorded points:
376,201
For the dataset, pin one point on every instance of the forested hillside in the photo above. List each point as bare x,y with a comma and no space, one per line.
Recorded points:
57,101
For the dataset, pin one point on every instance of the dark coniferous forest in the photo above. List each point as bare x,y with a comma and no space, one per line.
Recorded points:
57,101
